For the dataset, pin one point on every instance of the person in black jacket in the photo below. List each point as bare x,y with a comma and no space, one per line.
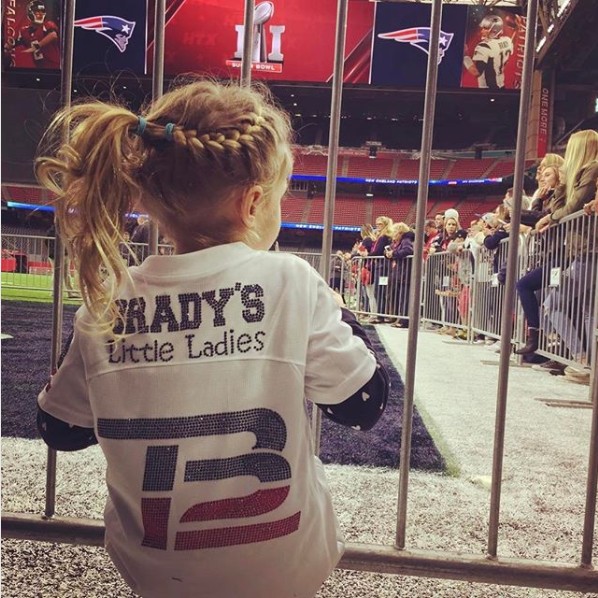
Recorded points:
494,233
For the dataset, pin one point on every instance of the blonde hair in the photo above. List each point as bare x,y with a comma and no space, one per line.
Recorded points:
185,159
456,221
399,229
367,231
551,160
582,148
386,225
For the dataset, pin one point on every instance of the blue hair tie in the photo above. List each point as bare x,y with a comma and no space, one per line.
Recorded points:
141,124
168,129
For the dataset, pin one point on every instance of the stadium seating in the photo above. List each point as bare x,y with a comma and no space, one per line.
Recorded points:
400,210
381,168
22,194
310,164
501,168
351,210
293,208
466,168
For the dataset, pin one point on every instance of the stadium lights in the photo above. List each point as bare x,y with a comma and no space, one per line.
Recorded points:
563,7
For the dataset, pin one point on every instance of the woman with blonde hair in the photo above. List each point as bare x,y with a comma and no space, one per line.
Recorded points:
579,173
578,180
379,267
549,181
176,365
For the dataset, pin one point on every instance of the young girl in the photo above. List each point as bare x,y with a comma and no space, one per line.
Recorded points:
192,370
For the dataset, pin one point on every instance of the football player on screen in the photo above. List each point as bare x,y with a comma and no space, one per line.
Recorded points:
40,38
492,53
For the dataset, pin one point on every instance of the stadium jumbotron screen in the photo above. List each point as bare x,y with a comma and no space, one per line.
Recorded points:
386,43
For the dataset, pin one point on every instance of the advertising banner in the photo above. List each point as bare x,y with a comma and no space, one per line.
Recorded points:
480,47
402,42
110,36
31,34
293,40
494,48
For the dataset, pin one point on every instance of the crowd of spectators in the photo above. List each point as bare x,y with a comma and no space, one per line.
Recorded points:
564,186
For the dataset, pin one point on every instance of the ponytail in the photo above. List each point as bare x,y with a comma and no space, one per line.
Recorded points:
189,157
89,156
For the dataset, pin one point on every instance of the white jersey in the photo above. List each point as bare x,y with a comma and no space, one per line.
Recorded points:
490,57
213,486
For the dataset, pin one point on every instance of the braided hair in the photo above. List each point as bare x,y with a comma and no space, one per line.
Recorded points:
185,161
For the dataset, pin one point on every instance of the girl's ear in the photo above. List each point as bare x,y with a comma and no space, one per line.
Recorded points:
251,202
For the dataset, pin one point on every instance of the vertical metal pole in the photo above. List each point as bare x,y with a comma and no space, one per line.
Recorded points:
335,120
512,271
157,89
66,86
592,480
417,270
247,43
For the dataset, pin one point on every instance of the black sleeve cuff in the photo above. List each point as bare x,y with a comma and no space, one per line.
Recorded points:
363,409
61,436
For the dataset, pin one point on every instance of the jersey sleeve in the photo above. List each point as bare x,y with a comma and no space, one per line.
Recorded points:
66,396
338,363
50,27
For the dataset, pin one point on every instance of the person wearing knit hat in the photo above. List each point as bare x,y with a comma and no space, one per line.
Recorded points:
451,213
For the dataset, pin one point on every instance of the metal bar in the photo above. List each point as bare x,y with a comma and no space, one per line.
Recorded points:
512,270
335,120
157,91
357,557
592,480
66,88
247,43
417,270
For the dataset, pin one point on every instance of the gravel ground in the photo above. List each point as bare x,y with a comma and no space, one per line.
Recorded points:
543,493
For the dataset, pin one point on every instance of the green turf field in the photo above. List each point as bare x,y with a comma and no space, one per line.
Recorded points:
30,287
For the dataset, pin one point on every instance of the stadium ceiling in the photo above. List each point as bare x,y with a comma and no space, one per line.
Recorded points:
567,39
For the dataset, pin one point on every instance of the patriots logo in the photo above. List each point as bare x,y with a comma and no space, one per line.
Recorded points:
419,37
117,30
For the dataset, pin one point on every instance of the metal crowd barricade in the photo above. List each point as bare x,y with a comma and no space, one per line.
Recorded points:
568,298
447,289
488,294
25,262
373,286
376,288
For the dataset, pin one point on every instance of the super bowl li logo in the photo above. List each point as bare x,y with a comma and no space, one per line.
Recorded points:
261,58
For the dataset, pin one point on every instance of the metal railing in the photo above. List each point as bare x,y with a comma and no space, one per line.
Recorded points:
462,290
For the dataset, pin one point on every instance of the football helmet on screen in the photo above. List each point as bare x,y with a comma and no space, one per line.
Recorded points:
34,9
493,24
